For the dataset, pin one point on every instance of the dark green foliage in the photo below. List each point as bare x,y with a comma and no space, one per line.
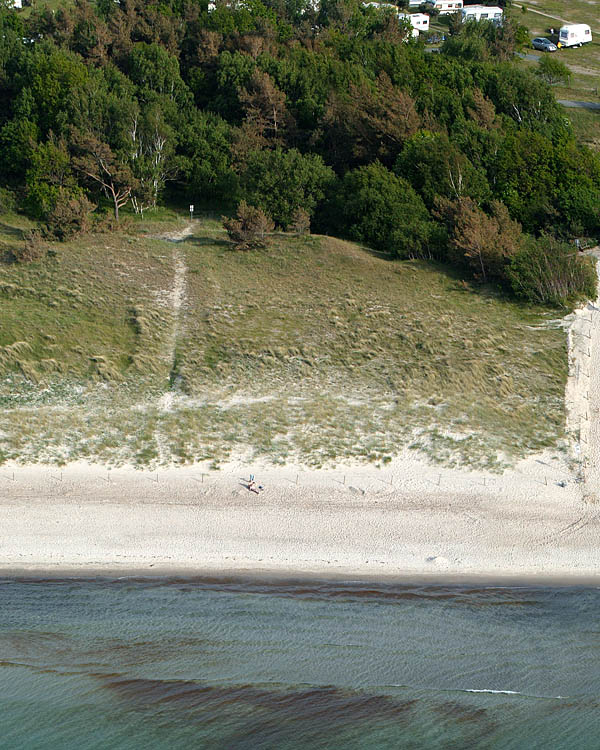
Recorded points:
551,272
301,112
436,167
374,206
283,181
553,71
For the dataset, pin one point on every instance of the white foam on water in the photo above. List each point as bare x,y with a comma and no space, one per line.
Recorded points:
489,690
512,692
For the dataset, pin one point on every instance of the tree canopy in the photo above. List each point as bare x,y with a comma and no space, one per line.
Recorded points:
332,110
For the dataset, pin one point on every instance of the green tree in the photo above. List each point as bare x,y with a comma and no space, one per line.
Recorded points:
152,156
204,160
282,181
374,206
553,71
436,167
525,178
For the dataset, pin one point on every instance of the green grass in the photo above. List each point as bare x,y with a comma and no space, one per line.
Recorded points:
586,124
314,350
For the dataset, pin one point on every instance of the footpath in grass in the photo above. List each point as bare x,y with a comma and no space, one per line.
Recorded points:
314,350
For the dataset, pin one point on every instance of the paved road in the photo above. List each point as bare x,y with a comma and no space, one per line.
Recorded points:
529,56
579,105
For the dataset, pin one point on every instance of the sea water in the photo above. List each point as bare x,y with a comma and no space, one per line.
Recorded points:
180,663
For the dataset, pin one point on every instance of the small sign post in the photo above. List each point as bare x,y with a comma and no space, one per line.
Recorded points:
191,211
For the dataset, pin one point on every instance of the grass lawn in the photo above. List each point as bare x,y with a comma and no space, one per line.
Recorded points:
314,349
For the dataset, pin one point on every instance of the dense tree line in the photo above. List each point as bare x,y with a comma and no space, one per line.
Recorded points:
334,112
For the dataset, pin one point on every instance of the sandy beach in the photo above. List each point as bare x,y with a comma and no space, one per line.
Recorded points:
410,520
539,520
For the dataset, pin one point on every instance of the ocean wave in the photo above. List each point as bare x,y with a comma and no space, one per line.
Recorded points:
489,690
512,692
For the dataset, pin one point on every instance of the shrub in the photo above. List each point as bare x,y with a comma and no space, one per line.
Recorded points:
250,227
105,223
69,216
32,248
547,271
553,71
300,221
7,200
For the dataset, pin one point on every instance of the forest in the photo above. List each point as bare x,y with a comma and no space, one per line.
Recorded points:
332,118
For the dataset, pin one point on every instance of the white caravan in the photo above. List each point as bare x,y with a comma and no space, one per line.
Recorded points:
414,32
419,21
482,13
381,6
574,35
446,7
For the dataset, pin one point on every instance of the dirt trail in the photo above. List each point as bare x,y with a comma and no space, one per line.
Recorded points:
177,297
178,236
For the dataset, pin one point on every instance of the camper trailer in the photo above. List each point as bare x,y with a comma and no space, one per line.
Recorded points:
415,25
446,7
574,35
381,6
419,21
482,13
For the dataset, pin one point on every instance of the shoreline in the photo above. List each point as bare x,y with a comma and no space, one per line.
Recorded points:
410,522
279,579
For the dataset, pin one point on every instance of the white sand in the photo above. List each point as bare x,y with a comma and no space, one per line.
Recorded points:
408,520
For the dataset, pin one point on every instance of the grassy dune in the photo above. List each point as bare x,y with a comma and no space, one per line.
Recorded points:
314,350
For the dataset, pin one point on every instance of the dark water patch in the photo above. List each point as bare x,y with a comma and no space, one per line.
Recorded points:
461,713
131,653
323,703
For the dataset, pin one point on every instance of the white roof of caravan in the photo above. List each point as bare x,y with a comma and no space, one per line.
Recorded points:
482,9
575,26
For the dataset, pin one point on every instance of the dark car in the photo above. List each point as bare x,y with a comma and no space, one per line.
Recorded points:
544,44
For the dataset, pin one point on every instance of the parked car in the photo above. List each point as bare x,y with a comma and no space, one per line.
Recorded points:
544,44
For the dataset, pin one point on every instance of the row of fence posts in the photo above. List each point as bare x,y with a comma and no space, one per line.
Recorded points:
486,482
